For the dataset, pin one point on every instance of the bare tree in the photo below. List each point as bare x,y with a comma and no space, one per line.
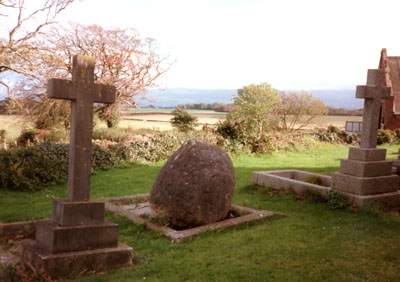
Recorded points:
27,19
298,109
123,59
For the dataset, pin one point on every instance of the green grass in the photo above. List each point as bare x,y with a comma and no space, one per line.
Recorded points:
304,242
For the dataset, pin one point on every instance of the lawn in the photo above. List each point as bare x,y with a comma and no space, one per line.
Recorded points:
304,242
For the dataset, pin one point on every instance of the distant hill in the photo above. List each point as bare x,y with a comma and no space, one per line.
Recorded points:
338,98
174,96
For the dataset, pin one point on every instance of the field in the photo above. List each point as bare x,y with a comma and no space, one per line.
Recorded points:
159,120
13,125
305,241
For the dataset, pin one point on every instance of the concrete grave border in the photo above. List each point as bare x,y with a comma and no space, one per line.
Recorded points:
293,180
114,205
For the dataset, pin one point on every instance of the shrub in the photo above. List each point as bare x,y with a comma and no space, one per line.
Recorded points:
110,114
397,134
337,201
334,136
333,129
348,138
31,168
385,136
31,137
118,134
26,137
158,147
183,121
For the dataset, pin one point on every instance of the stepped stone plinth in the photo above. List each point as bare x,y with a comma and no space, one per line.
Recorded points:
365,177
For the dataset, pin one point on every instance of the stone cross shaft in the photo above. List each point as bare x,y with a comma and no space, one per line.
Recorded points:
373,92
83,92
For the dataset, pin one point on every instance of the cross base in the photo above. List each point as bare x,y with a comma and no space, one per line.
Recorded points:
59,239
366,177
391,200
68,213
77,239
74,263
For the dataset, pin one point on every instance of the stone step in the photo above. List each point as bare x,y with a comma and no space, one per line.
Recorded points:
365,185
68,265
68,213
367,154
365,169
58,239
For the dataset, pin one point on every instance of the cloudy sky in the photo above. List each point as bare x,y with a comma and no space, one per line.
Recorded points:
290,44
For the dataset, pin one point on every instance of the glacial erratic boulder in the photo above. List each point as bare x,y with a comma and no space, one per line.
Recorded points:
195,186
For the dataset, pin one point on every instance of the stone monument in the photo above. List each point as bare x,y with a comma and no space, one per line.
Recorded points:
366,175
77,238
195,186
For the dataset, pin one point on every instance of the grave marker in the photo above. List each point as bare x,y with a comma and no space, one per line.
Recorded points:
366,176
77,238
83,92
373,92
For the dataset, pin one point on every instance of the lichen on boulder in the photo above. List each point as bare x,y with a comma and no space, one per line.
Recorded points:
195,186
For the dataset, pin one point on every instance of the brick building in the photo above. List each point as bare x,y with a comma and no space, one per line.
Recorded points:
390,108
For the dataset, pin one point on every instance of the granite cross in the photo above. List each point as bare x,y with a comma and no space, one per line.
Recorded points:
83,92
373,92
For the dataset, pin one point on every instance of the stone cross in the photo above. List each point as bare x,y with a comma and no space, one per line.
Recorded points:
373,92
83,92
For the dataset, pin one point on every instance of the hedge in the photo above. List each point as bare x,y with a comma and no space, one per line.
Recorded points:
31,168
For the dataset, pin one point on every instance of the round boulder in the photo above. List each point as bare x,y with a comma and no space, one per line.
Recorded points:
195,186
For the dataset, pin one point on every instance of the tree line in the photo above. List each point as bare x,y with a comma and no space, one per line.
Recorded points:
223,107
218,107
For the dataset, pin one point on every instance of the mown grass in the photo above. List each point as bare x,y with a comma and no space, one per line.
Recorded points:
304,242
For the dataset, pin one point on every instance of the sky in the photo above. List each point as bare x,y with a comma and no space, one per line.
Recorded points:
227,44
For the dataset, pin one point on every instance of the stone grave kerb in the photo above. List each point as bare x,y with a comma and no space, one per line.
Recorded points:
82,92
